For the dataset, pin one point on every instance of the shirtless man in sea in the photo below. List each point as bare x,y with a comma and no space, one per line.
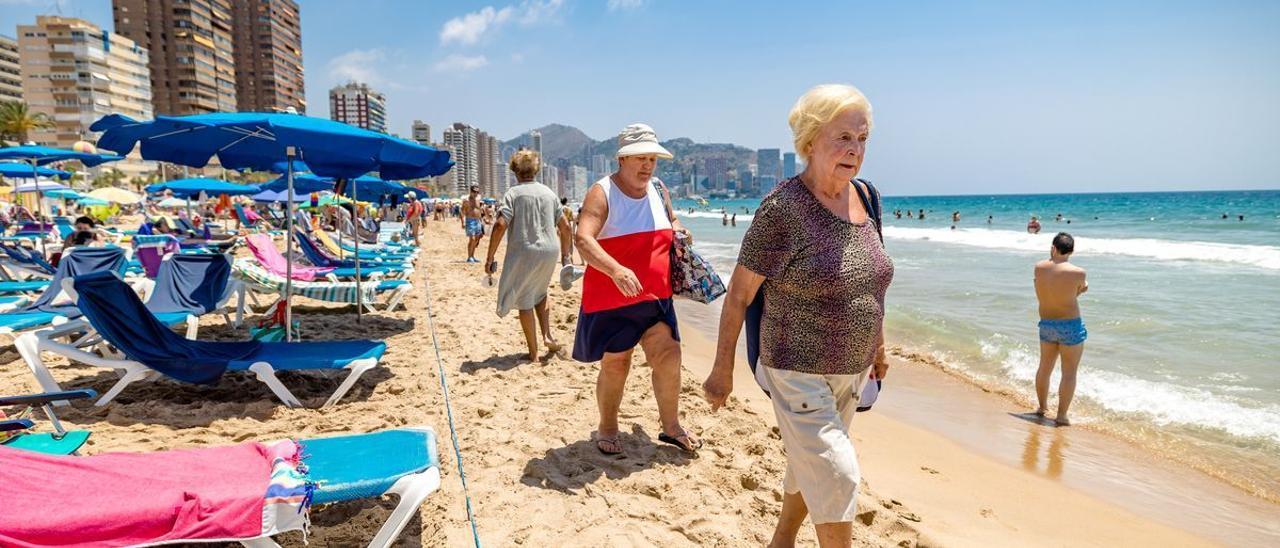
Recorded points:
1058,285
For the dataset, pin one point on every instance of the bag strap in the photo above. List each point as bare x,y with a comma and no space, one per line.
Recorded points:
662,195
871,203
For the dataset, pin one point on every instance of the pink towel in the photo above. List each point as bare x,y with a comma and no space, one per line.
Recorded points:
119,499
271,259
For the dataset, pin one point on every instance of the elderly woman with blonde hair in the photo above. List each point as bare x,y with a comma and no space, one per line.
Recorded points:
529,215
814,249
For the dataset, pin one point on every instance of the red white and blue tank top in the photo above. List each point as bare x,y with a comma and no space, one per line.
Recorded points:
637,234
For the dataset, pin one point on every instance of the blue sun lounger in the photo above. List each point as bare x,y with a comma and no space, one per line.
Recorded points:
344,468
46,311
27,286
58,442
150,349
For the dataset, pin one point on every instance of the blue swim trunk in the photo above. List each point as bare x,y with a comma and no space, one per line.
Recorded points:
475,228
1067,332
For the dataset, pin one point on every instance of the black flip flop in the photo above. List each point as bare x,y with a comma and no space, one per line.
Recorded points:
664,438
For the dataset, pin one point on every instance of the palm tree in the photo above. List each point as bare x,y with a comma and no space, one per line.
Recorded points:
17,121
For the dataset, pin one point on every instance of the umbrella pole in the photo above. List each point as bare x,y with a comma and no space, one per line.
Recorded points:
288,238
35,177
359,296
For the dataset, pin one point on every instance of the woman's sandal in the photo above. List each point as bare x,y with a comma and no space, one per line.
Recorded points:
600,441
677,441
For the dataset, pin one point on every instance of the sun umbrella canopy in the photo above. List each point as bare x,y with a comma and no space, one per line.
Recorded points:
115,195
42,186
17,170
274,196
303,183
251,140
172,203
184,188
63,193
91,201
373,189
44,155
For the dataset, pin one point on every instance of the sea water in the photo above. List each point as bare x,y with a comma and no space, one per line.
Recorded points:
1183,308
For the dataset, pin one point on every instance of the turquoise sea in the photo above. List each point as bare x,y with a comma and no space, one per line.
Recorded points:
1183,308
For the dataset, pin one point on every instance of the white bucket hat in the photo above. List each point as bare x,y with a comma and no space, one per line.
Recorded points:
637,139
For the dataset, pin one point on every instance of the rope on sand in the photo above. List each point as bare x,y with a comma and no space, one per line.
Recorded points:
444,385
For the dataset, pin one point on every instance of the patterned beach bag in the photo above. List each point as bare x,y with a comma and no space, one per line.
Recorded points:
692,277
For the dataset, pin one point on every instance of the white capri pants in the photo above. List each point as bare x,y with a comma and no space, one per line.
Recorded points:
814,413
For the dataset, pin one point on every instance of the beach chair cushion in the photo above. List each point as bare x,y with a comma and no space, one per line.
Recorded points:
310,355
24,287
366,465
48,443
18,321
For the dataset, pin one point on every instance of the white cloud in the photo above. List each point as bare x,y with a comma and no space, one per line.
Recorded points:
469,29
461,63
620,5
359,65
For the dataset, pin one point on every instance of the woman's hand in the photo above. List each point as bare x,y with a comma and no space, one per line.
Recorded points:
717,387
881,365
627,282
688,236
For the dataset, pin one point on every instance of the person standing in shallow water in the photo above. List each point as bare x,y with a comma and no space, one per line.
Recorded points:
1062,333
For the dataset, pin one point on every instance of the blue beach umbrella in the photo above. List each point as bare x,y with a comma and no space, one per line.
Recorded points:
304,183
279,196
91,201
15,170
36,156
191,188
260,141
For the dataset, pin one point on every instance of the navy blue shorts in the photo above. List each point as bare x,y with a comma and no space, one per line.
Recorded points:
620,329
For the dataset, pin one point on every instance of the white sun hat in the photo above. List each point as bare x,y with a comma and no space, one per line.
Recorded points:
637,139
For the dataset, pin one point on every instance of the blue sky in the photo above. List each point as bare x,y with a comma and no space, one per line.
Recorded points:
969,97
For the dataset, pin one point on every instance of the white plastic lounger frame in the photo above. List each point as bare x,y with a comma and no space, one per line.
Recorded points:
412,489
31,345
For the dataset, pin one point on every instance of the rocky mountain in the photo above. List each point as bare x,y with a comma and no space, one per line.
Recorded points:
567,142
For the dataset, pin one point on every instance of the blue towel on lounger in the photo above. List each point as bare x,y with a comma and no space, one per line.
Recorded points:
190,283
119,315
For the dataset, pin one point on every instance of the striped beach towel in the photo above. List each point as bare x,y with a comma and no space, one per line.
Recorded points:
265,282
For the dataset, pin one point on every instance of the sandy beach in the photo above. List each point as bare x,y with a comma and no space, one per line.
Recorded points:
534,476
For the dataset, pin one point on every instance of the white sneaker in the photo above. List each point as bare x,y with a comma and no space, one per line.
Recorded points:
568,275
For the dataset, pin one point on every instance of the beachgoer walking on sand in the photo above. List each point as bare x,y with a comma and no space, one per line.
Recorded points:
814,248
566,244
625,231
530,218
472,224
1033,226
1062,333
414,212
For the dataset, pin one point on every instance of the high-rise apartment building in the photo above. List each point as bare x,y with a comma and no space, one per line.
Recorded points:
768,162
461,140
267,36
359,105
10,70
535,142
74,72
717,173
788,165
576,183
421,133
193,67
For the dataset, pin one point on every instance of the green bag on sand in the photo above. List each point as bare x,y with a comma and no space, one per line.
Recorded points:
272,333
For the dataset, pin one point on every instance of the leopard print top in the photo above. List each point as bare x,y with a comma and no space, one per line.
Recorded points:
825,284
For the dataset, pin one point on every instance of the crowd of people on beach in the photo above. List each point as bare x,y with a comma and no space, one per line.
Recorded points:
810,286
